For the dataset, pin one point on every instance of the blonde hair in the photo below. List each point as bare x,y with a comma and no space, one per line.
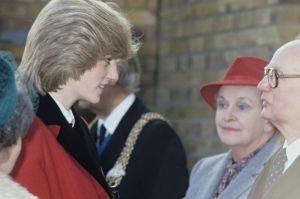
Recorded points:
69,36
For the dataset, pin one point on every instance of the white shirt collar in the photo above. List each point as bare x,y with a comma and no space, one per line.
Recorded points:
114,118
292,152
68,114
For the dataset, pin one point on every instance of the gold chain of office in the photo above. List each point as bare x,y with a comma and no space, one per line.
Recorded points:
124,157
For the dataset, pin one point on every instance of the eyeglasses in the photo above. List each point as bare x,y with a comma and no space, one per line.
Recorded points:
273,76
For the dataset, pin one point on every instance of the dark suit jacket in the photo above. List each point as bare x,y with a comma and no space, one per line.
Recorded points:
77,141
157,167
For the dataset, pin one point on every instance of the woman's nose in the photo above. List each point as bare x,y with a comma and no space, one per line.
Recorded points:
229,114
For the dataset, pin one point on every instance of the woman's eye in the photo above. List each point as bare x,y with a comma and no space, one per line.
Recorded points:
243,106
221,104
108,60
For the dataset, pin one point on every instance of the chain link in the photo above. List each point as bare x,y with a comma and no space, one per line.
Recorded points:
124,157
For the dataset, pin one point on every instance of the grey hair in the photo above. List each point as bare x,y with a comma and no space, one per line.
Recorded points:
129,74
69,36
19,121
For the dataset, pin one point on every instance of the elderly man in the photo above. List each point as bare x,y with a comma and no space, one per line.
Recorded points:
280,95
153,171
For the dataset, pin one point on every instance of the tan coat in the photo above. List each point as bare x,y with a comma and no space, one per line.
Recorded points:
287,186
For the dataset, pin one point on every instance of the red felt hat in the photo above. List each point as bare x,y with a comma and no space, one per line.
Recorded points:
244,70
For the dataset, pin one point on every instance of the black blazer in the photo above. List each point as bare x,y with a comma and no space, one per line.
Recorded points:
157,167
77,141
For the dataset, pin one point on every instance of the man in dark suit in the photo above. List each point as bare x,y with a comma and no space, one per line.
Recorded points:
157,166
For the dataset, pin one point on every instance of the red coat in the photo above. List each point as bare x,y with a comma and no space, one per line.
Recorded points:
48,172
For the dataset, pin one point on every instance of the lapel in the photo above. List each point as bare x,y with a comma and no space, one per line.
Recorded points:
241,185
94,131
54,129
51,115
117,141
211,178
77,141
49,112
67,136
287,185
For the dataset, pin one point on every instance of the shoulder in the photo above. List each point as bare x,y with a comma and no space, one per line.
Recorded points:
161,133
10,189
268,150
207,163
38,130
158,127
158,139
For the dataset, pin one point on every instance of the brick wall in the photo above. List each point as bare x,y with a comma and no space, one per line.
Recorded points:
16,17
198,40
185,43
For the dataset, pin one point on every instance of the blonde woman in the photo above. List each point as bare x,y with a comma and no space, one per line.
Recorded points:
70,54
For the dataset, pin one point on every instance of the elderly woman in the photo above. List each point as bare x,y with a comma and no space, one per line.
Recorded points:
240,126
14,105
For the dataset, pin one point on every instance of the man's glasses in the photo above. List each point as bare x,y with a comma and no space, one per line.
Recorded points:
273,76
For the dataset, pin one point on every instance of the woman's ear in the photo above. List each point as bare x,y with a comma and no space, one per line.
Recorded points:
9,156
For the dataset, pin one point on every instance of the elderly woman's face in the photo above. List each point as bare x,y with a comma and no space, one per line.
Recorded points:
238,116
9,156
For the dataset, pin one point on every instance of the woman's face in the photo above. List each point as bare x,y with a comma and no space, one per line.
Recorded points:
238,117
92,82
9,156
